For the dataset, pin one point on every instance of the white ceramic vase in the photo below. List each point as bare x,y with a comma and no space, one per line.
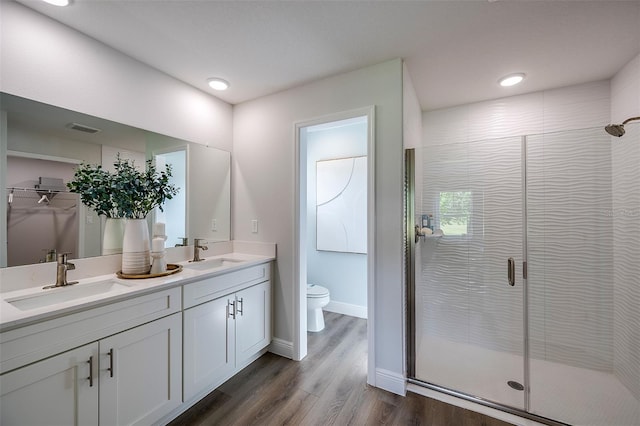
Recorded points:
135,247
113,236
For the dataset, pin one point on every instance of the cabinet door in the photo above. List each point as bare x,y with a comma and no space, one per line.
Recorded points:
253,321
55,391
209,356
140,373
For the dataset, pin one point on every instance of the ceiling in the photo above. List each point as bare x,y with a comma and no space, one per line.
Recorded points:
455,51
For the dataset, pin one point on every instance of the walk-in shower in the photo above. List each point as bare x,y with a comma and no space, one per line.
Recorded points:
530,300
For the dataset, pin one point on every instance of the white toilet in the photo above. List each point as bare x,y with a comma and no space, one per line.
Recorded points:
317,298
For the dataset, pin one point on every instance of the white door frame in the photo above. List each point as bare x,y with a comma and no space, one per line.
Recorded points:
300,235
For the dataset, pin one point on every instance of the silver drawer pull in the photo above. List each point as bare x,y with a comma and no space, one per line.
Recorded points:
90,371
110,369
511,271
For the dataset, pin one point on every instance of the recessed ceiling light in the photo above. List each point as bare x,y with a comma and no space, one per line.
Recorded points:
218,84
58,2
511,79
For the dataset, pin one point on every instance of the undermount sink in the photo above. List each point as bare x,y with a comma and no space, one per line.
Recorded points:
212,263
53,296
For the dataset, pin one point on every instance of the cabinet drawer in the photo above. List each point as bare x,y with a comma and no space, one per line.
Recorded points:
34,342
211,288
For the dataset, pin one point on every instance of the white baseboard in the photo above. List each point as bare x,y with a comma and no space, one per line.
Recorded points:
281,347
391,382
347,309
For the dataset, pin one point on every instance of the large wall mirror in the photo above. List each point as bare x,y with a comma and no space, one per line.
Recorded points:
43,144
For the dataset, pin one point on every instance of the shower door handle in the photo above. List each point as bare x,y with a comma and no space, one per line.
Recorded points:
511,271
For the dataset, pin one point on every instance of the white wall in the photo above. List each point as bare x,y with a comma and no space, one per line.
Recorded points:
264,182
411,112
43,60
625,103
343,274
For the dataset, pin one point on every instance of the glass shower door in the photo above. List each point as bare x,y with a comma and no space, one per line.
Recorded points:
469,331
583,237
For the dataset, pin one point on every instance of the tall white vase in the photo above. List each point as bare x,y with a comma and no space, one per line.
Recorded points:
113,236
135,247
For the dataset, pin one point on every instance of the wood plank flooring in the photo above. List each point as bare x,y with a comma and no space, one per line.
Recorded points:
328,387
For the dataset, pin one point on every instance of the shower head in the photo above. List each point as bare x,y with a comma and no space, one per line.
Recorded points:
617,130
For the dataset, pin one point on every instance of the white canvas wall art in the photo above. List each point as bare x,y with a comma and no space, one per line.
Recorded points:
341,205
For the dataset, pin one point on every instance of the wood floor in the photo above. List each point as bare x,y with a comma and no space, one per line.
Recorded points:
328,387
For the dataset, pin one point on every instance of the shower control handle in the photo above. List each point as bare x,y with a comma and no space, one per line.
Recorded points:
511,271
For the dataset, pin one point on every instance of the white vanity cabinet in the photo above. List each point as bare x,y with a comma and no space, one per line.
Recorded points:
135,361
128,374
252,321
140,373
227,332
56,391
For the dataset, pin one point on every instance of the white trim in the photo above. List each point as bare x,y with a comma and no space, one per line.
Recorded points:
43,157
371,247
299,343
469,405
300,271
391,382
281,347
347,309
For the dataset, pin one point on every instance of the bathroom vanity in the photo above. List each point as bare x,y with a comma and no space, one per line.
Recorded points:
111,351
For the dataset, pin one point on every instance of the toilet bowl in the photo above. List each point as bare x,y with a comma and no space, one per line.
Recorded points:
317,298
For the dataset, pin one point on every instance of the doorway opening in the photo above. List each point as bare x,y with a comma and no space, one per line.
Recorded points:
334,215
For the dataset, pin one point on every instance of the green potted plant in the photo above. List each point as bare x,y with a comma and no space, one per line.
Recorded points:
136,192
127,193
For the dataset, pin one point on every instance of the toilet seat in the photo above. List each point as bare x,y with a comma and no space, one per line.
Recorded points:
316,291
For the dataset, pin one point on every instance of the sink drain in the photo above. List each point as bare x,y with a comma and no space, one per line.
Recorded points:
515,385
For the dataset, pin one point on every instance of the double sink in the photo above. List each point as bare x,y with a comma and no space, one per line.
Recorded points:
42,298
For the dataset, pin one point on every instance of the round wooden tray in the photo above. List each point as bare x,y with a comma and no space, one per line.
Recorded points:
172,268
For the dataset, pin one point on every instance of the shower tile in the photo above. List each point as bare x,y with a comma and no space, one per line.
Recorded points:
577,107
517,115
445,126
626,231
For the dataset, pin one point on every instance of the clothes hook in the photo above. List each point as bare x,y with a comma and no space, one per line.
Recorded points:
44,198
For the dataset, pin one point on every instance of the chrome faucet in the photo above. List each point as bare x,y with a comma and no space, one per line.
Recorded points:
61,272
185,242
196,249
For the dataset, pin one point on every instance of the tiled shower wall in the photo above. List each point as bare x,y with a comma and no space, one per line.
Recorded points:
625,97
576,107
626,251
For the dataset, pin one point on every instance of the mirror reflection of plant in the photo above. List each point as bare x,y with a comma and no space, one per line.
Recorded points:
125,193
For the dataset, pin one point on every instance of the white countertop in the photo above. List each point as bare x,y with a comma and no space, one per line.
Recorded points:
12,317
